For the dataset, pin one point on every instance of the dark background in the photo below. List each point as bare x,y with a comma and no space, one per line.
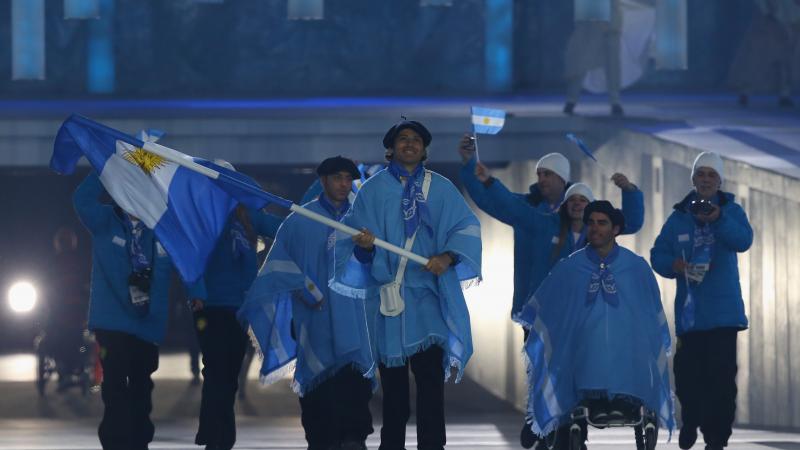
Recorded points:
248,48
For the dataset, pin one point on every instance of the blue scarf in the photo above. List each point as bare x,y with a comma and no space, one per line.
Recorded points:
336,213
701,254
415,208
602,276
139,260
241,244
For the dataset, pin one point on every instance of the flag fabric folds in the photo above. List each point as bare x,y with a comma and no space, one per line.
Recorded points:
581,145
187,210
487,121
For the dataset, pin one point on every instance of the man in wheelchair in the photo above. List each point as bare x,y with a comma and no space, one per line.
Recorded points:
599,340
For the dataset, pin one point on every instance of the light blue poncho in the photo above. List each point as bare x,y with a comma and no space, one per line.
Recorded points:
435,310
606,335
330,330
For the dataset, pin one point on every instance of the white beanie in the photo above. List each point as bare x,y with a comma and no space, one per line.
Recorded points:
710,160
555,162
579,189
225,164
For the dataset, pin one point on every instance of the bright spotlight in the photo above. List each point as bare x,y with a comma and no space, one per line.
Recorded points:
22,296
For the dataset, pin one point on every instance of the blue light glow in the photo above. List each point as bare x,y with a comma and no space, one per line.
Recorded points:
100,70
27,40
671,35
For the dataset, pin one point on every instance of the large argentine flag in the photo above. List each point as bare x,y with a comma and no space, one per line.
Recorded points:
187,210
487,121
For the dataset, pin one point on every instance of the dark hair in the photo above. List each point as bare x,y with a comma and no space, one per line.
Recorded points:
605,207
564,223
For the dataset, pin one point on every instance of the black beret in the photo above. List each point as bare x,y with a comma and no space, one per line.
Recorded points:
388,139
338,164
605,207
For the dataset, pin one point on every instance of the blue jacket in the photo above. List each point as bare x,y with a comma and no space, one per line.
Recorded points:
109,306
718,298
536,228
228,276
524,240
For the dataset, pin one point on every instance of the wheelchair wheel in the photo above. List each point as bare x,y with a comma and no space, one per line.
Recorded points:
638,433
650,436
575,437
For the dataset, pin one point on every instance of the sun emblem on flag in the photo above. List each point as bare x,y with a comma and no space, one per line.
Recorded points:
147,161
486,121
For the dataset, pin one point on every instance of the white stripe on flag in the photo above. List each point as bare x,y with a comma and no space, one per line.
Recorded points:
313,290
136,192
488,121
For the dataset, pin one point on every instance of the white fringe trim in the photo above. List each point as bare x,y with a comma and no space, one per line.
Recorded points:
278,374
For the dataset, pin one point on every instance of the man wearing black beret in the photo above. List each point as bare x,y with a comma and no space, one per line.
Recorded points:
418,317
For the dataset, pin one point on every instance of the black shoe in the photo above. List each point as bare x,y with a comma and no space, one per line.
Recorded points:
616,110
526,437
785,102
353,445
687,438
714,447
744,100
569,108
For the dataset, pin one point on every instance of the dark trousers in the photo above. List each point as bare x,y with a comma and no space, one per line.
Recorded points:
222,341
127,387
705,382
429,378
337,410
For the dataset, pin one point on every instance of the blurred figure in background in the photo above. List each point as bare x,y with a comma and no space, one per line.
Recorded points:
768,53
68,297
592,44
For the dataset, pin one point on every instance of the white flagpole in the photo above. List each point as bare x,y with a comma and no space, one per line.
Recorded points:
475,139
183,160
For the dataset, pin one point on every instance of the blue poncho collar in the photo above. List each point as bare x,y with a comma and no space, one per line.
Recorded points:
414,205
602,276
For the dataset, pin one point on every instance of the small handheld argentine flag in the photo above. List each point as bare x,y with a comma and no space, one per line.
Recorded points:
487,121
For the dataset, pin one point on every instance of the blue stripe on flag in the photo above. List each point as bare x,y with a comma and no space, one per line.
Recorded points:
76,135
243,188
478,111
197,211
487,120
197,206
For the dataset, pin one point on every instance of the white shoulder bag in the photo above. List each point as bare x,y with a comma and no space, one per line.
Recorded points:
392,303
